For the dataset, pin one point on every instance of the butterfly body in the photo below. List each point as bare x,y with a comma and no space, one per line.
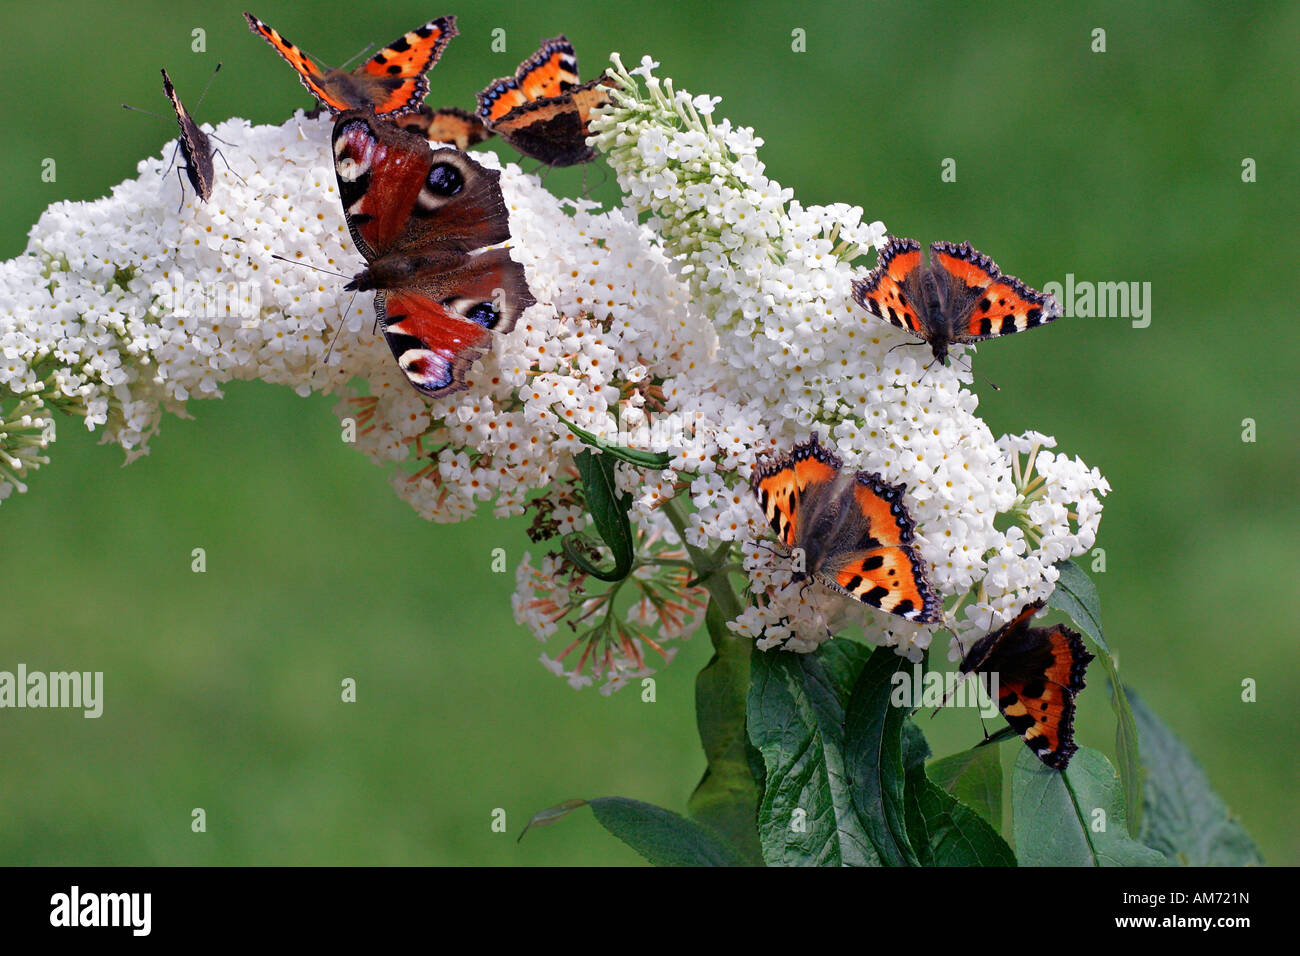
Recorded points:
195,146
542,111
959,298
850,529
391,82
422,218
1040,671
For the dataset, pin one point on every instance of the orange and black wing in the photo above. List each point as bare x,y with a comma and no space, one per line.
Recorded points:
891,579
890,291
884,570
554,129
312,74
392,81
1036,672
447,125
549,72
395,79
779,483
991,303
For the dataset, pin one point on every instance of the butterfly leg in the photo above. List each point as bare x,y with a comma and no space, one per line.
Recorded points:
180,179
176,149
217,152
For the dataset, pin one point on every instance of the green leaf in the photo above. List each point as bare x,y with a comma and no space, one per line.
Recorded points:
543,818
634,456
1076,595
795,718
974,778
608,510
874,752
1185,819
726,798
661,836
944,831
1074,817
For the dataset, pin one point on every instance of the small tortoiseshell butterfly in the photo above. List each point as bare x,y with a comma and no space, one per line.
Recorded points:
542,110
962,297
851,527
194,145
1040,670
422,217
392,81
448,125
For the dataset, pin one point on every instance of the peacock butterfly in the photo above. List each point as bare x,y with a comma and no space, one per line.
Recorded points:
422,218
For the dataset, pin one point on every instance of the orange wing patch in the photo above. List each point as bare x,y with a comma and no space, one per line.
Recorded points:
410,58
976,271
882,505
551,71
1003,303
883,292
447,125
779,483
893,580
1007,307
1044,720
312,76
392,81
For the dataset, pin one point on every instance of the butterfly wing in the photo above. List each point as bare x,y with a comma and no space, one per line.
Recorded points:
554,130
448,125
313,76
195,145
437,330
871,558
892,291
417,214
781,483
979,301
395,79
552,70
1039,670
401,196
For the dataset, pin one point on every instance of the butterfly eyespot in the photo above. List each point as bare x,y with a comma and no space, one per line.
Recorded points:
483,314
445,179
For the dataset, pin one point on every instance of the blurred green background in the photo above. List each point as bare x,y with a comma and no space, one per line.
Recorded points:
222,689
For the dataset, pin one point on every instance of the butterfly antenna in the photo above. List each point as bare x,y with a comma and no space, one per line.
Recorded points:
342,322
229,168
208,87
970,367
136,109
356,56
307,265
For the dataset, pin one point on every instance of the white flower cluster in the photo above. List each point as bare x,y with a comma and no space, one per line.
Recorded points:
719,329
796,355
